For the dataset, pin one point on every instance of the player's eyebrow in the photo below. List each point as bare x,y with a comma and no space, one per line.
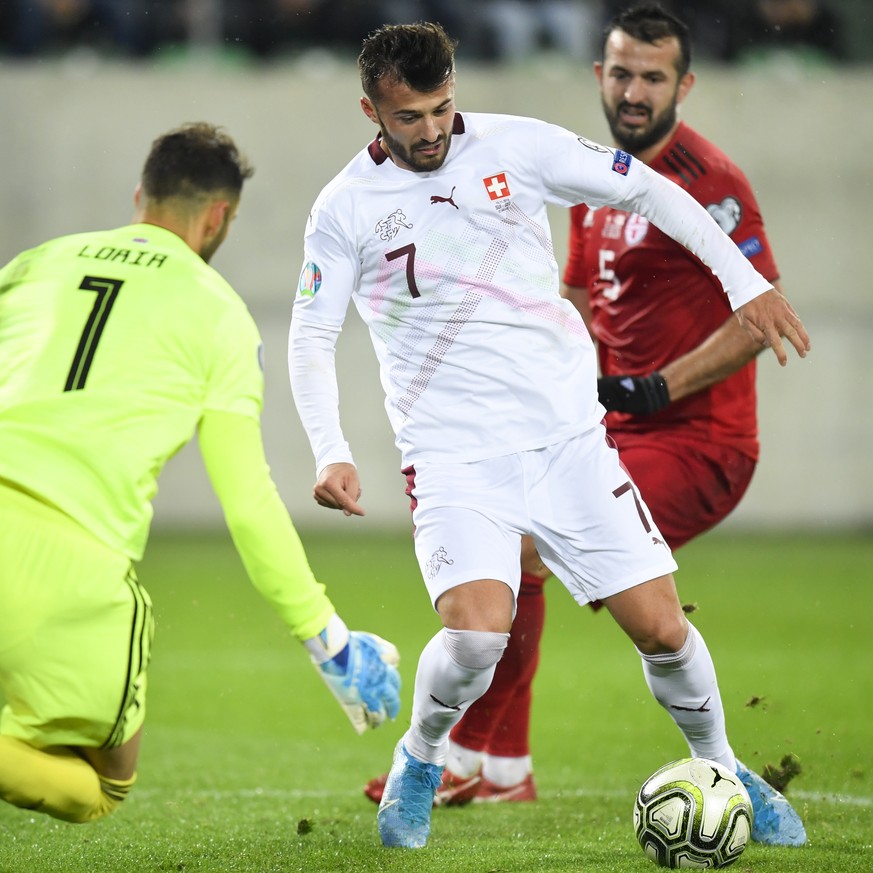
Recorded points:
418,112
618,69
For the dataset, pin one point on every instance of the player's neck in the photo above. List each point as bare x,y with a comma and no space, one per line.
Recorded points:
191,227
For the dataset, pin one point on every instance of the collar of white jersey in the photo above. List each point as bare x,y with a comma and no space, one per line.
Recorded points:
379,155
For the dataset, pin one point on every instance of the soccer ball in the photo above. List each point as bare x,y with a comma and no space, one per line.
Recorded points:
693,814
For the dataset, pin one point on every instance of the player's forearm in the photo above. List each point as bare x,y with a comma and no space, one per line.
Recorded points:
719,356
681,217
312,370
259,524
274,558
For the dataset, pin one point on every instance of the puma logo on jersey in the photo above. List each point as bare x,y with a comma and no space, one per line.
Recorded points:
435,198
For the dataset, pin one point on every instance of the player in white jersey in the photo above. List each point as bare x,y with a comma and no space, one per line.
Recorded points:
439,233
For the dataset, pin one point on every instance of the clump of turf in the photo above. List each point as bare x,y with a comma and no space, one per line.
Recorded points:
779,777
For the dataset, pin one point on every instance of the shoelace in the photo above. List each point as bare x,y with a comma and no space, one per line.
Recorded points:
420,781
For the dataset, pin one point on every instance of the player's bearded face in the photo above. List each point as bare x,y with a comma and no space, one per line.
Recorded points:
636,127
416,127
641,89
422,155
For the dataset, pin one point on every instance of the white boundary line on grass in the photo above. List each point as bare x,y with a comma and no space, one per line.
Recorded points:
847,799
816,796
303,794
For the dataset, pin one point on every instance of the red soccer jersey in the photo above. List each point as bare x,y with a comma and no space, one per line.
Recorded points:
652,300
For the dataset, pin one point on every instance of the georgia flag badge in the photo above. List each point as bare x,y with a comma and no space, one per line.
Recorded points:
496,186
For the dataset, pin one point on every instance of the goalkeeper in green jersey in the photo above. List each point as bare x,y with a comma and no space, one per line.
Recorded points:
115,347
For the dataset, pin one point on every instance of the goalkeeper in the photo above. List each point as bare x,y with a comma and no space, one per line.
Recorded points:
115,347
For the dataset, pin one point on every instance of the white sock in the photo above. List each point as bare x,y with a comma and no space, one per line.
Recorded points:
506,772
463,762
444,689
684,683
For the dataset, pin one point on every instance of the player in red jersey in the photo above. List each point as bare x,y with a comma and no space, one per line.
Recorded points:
678,370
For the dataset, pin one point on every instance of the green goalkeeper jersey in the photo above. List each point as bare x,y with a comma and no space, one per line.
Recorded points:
114,347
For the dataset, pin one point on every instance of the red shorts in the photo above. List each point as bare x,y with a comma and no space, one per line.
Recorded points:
689,486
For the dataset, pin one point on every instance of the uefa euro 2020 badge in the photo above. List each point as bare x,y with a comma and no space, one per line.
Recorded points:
310,279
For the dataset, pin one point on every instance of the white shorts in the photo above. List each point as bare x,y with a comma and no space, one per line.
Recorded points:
589,523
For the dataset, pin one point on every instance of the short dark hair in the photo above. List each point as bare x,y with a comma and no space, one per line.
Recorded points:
193,161
651,23
420,55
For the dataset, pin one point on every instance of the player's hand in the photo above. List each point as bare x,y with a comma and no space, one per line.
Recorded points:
363,677
639,395
769,317
338,487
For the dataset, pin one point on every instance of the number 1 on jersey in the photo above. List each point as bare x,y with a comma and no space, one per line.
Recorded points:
107,291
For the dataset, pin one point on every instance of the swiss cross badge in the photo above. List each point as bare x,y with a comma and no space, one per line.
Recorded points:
496,186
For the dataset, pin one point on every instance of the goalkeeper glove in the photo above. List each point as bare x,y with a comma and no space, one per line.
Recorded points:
360,669
638,395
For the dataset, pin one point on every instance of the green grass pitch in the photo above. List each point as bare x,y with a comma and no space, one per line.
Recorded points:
248,764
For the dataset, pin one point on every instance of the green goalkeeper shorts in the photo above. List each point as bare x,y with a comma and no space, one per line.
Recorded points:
75,631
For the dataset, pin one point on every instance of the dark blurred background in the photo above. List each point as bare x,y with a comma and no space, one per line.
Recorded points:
725,31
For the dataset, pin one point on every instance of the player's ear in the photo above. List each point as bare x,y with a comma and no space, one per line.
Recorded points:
598,71
216,214
369,110
686,83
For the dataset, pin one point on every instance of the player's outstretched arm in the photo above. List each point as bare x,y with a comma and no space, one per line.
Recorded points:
360,669
765,314
768,318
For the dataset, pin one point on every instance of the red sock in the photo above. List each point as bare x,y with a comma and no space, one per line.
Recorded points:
499,721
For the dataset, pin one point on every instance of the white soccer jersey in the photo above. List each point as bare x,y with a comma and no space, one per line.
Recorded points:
454,274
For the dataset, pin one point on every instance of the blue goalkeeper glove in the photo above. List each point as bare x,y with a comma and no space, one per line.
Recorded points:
638,395
360,669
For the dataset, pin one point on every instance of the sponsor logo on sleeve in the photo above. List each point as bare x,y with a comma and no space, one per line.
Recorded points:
497,186
622,162
751,246
310,279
